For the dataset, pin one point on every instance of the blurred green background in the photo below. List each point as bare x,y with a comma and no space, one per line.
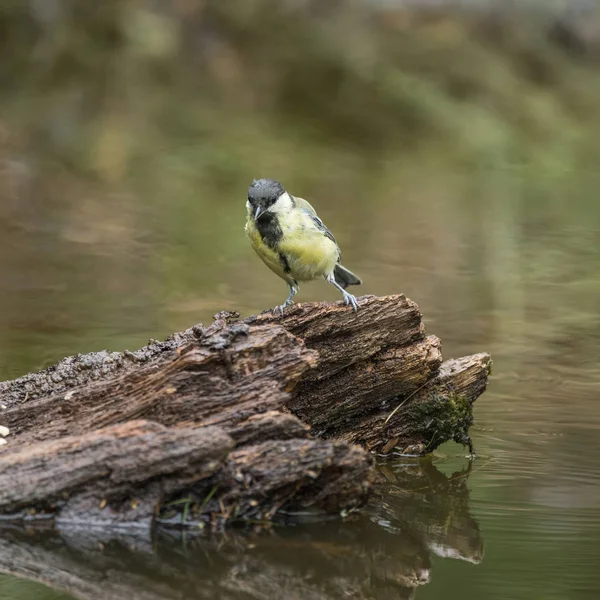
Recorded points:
451,148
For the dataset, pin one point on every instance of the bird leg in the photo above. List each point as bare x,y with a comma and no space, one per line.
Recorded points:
348,298
293,291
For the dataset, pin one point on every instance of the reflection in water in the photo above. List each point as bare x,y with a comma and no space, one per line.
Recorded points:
383,554
420,500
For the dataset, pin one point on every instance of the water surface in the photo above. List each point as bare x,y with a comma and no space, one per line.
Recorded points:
121,218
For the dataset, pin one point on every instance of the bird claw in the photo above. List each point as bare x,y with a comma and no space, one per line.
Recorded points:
349,299
281,307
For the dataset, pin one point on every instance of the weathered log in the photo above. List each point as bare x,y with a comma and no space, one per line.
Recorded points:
82,369
128,472
343,337
372,362
116,463
370,378
383,360
225,375
436,412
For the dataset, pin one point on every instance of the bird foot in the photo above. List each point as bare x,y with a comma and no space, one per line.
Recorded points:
349,299
281,307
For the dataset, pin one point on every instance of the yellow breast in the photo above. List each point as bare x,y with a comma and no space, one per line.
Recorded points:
267,255
310,255
303,252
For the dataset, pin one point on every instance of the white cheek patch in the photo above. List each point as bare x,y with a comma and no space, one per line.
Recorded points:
248,207
283,203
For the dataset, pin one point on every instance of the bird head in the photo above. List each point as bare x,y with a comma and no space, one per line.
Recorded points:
264,196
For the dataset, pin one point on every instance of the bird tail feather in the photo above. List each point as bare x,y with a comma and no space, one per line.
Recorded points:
344,277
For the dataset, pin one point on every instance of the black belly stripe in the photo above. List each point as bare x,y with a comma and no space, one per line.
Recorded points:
285,263
269,230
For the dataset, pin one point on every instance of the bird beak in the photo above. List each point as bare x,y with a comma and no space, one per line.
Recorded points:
257,212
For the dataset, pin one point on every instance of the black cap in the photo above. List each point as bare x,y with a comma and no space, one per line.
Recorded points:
265,190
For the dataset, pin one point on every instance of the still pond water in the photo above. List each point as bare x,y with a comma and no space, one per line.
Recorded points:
499,261
121,219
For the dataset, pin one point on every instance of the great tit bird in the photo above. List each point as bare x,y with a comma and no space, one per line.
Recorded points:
292,241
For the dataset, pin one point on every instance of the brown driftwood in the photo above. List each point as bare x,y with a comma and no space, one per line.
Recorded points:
423,512
216,431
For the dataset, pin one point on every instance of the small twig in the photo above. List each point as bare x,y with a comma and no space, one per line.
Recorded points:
404,401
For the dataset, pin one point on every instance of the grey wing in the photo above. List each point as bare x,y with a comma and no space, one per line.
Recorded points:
322,228
305,207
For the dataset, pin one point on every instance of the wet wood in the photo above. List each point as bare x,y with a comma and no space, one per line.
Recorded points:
241,401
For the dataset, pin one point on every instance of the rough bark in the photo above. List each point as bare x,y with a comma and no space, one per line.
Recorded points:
230,400
373,361
343,337
83,369
117,463
223,376
435,412
130,472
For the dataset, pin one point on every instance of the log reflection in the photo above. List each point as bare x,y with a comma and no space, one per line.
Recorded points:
384,553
